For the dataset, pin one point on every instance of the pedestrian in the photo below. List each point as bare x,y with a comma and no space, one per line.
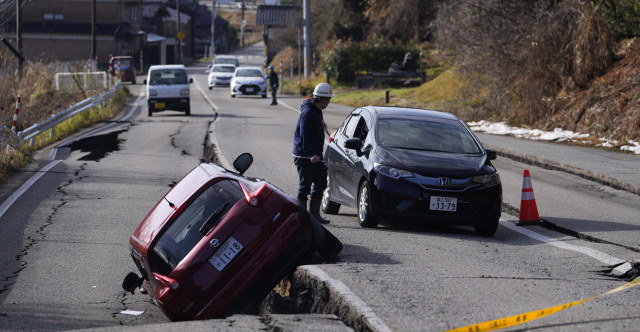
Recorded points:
275,83
308,143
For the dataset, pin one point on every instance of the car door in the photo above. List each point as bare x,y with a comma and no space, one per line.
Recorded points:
340,166
357,160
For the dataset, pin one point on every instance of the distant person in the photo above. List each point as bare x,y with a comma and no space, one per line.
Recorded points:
308,143
274,83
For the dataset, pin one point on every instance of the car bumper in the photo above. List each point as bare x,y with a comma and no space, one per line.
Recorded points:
249,89
219,82
162,104
399,201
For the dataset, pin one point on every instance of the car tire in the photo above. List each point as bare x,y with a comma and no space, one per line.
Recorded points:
233,96
187,111
264,96
365,217
488,229
331,246
210,88
150,111
328,206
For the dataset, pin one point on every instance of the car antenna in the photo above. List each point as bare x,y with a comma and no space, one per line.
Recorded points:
173,206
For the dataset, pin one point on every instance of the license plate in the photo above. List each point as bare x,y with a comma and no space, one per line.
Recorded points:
249,90
159,105
226,253
443,203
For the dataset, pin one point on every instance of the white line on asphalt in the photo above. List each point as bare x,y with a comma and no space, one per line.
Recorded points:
14,197
361,308
212,133
598,255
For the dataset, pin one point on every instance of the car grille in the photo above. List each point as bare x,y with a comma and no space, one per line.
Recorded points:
243,89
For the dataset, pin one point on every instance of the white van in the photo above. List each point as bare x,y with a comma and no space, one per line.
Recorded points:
168,89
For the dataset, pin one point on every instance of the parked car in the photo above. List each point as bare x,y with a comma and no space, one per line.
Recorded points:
412,165
225,60
126,69
220,75
218,242
248,81
168,89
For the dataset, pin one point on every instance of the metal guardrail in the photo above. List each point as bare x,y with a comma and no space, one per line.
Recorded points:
10,138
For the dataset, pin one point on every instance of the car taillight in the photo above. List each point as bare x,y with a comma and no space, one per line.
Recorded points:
255,193
332,136
168,289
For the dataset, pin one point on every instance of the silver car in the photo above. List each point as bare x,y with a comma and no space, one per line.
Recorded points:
220,75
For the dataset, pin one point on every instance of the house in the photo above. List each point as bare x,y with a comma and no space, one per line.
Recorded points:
61,30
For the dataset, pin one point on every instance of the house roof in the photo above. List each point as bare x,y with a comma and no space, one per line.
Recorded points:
62,27
277,15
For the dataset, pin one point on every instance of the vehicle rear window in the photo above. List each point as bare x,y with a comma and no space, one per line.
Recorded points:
426,135
168,76
187,229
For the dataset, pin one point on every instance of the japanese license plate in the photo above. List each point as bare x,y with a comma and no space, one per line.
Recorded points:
249,90
439,203
160,105
227,251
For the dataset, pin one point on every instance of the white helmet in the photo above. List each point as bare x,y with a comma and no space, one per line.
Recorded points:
323,90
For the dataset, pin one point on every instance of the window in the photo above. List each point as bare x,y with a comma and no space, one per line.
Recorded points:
189,227
50,16
131,13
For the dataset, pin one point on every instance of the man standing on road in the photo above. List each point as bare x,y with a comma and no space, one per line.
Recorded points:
274,83
308,143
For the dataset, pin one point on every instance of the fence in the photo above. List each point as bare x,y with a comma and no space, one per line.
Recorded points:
14,140
88,81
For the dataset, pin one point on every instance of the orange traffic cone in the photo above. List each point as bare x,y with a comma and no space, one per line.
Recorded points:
528,208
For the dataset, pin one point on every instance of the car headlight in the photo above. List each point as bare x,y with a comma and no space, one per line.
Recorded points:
392,172
153,93
487,179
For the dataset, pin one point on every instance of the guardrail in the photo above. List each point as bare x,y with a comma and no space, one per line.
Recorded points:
8,138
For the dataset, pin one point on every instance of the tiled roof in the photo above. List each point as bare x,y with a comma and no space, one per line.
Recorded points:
274,15
62,27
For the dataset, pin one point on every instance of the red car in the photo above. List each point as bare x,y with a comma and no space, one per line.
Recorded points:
218,242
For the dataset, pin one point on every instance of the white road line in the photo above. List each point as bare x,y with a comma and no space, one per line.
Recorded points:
355,302
212,133
598,255
14,197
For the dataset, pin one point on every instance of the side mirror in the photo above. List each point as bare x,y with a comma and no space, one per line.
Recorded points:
190,80
144,82
243,162
491,154
354,144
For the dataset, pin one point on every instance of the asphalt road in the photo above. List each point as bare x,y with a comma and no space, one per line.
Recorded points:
65,240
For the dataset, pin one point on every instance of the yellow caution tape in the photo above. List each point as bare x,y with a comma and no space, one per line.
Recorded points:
533,315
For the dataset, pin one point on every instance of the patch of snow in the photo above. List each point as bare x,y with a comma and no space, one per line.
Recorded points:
557,135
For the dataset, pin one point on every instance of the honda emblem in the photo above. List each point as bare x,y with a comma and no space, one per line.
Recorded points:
445,182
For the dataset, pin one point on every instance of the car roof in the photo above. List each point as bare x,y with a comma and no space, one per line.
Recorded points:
222,56
224,65
167,67
410,111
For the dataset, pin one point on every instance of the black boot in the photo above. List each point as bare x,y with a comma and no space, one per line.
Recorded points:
314,209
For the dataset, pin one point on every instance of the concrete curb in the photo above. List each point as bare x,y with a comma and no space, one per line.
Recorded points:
548,164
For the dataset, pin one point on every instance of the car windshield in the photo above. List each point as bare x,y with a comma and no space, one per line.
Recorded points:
168,76
196,220
125,62
426,135
249,73
226,60
223,69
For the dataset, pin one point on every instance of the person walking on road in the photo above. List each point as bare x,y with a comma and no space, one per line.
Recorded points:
274,83
308,143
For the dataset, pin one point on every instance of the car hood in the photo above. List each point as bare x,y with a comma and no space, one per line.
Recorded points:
430,163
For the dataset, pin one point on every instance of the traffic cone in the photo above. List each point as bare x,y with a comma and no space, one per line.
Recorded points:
528,208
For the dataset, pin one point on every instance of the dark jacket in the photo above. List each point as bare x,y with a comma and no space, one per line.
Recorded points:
308,139
274,82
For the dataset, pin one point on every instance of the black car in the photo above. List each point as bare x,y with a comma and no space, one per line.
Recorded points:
412,165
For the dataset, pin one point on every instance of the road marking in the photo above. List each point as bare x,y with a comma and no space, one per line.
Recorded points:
355,302
14,197
533,315
598,255
212,129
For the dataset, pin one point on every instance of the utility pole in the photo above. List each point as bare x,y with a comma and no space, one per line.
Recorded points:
243,24
93,31
179,33
307,36
19,35
213,27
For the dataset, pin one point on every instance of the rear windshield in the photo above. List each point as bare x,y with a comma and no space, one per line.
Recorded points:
196,220
426,135
225,60
168,76
223,69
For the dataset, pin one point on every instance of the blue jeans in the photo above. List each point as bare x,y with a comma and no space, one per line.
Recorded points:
313,178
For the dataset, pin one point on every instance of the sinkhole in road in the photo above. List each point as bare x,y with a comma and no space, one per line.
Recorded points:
98,146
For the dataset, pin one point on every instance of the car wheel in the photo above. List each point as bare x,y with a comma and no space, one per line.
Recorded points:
210,88
133,82
328,206
264,96
365,217
233,96
331,246
187,111
150,111
489,229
